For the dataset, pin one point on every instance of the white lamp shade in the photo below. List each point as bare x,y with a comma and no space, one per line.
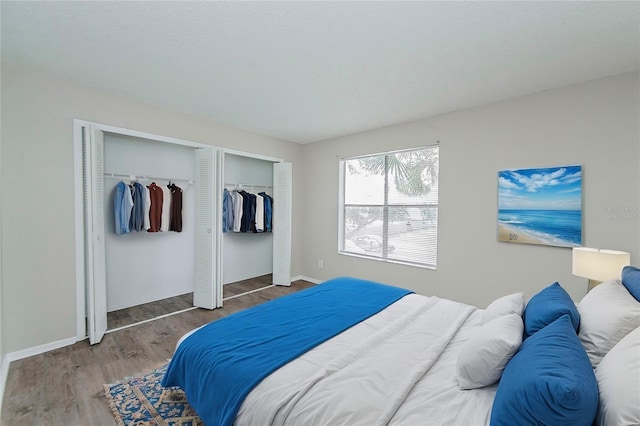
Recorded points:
599,264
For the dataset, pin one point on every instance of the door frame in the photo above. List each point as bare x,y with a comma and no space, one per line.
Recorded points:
78,126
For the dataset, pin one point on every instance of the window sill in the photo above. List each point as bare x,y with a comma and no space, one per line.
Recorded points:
380,259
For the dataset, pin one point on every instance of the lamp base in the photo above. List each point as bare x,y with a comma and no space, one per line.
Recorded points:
592,284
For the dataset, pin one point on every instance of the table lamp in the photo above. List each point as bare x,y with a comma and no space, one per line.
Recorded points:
598,265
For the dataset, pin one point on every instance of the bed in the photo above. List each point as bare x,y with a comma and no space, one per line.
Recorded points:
328,356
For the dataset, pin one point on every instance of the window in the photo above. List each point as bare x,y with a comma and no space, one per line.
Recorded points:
389,207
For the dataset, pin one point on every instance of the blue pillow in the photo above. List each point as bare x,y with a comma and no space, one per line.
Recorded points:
546,307
631,280
549,381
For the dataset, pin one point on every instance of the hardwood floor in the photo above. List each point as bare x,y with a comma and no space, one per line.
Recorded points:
65,386
147,311
231,290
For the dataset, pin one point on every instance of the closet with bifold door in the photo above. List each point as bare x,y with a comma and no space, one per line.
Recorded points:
118,270
262,249
144,266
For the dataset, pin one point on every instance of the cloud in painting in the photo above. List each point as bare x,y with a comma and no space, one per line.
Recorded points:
548,188
536,181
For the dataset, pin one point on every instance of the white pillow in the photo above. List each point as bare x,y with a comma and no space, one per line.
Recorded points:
619,383
505,305
483,357
607,313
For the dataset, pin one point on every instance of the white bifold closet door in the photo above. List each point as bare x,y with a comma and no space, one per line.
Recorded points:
95,273
281,220
207,291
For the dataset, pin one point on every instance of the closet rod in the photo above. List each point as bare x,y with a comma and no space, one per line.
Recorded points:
136,177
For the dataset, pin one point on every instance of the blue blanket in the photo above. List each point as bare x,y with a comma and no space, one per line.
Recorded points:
218,365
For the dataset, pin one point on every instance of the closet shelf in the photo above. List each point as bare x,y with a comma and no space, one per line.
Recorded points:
246,186
138,177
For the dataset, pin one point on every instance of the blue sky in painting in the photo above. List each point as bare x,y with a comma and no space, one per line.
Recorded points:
552,188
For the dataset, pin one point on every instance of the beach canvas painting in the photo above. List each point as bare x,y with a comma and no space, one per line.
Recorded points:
541,206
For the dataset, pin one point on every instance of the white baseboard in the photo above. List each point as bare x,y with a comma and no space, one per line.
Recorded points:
36,350
305,278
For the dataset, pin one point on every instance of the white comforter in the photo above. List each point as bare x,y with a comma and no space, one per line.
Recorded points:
397,367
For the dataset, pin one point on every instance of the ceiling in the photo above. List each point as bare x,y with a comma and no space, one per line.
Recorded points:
308,71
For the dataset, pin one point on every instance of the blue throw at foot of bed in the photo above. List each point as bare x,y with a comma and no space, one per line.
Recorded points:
218,365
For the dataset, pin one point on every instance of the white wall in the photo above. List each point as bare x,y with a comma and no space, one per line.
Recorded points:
595,124
38,241
145,266
247,255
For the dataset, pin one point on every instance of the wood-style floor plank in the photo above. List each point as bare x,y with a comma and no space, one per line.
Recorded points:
65,386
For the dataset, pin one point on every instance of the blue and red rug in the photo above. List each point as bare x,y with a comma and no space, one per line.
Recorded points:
142,401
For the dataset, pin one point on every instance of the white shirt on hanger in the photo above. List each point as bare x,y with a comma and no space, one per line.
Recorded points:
237,210
259,213
166,208
147,207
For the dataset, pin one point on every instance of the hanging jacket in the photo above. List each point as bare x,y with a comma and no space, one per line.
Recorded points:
175,221
252,217
155,211
245,226
136,222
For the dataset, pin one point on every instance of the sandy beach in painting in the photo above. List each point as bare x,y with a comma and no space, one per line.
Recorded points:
514,235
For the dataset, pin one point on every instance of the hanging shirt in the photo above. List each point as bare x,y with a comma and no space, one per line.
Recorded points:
166,209
270,223
147,207
155,211
259,213
175,221
136,222
122,205
267,211
244,214
252,220
245,226
227,211
237,211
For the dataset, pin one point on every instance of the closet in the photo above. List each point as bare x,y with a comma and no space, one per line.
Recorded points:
247,254
117,271
143,266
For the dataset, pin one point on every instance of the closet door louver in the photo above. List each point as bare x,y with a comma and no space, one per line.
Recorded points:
282,223
95,273
207,291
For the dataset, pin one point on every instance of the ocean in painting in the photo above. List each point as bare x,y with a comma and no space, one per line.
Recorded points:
551,227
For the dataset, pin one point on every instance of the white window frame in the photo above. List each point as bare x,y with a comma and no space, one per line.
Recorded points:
342,207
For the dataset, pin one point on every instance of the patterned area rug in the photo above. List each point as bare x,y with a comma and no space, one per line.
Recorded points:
142,401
